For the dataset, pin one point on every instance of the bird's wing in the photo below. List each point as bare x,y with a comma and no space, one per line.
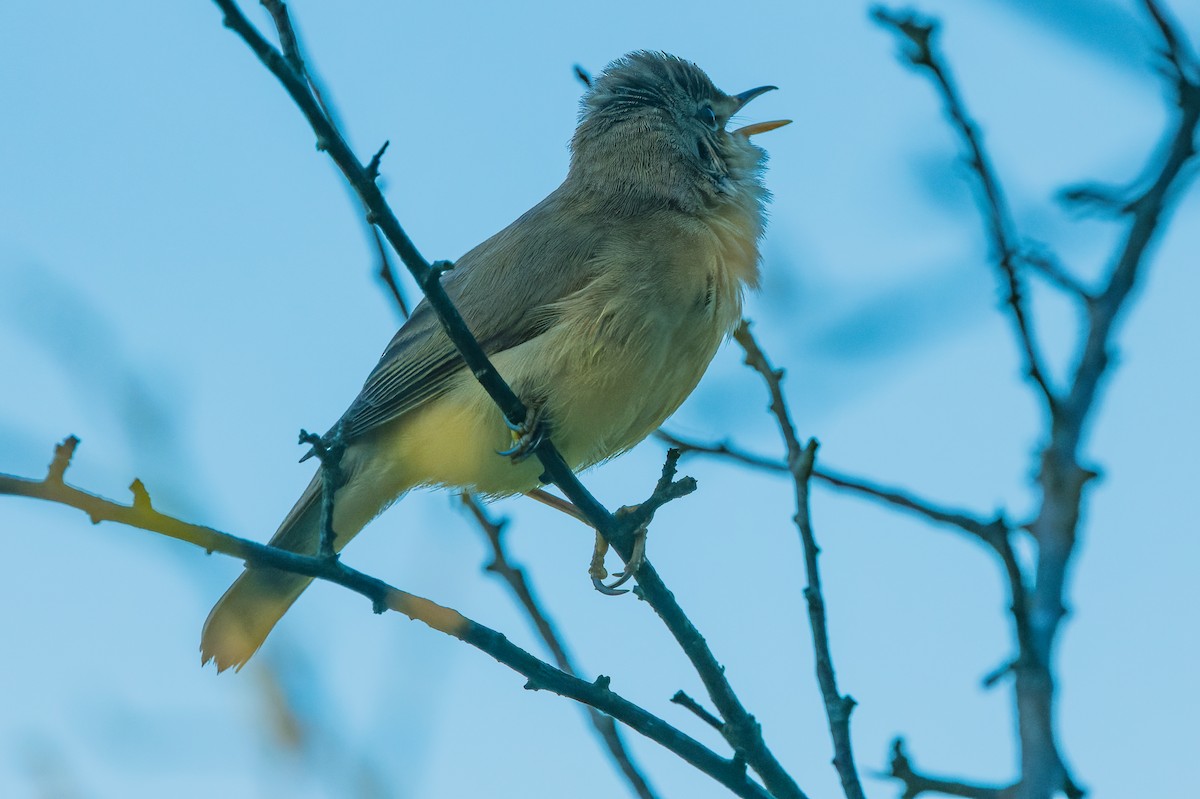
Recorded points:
502,289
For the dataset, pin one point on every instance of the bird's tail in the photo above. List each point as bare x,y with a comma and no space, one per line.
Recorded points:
242,618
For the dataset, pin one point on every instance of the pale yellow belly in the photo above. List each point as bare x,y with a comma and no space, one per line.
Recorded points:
598,402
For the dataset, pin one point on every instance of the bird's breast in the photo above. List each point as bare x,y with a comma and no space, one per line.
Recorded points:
636,342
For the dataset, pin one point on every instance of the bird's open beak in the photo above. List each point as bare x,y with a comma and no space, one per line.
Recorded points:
757,127
750,94
761,127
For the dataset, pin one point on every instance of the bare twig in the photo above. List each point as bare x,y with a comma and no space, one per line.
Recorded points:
1046,265
920,34
1185,66
388,274
289,42
376,160
329,450
966,521
742,731
916,784
1038,608
721,449
682,699
540,675
800,463
1147,211
514,576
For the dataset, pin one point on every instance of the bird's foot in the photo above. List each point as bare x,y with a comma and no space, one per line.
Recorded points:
525,436
598,573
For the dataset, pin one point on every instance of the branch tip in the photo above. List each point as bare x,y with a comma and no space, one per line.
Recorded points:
683,700
141,497
373,165
992,678
63,453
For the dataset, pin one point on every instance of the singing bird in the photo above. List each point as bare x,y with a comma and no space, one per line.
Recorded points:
602,306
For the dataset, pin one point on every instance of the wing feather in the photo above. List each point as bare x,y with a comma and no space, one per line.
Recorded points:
503,288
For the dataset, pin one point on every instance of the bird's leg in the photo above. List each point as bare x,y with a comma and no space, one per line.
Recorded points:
526,435
636,558
596,570
558,503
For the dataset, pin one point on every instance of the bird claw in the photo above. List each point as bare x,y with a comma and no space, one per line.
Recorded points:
526,436
608,590
598,572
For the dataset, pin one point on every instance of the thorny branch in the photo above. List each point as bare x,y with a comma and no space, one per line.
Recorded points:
800,464
540,675
741,729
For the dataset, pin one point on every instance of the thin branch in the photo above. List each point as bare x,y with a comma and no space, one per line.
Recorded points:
966,521
376,160
289,42
683,700
329,450
514,577
1038,609
1178,51
919,33
721,449
387,273
1046,265
540,675
963,520
1147,210
800,463
742,730
916,784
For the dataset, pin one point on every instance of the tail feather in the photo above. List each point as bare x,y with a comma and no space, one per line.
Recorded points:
245,615
241,620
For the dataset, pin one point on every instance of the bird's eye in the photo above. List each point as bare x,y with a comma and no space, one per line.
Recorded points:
707,116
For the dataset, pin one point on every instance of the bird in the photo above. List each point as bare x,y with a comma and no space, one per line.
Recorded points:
602,307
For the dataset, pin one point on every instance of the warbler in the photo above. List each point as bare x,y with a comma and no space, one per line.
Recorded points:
602,307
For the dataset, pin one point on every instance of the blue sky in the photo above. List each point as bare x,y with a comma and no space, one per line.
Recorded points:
173,248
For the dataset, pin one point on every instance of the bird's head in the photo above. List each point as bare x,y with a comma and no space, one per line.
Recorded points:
653,127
